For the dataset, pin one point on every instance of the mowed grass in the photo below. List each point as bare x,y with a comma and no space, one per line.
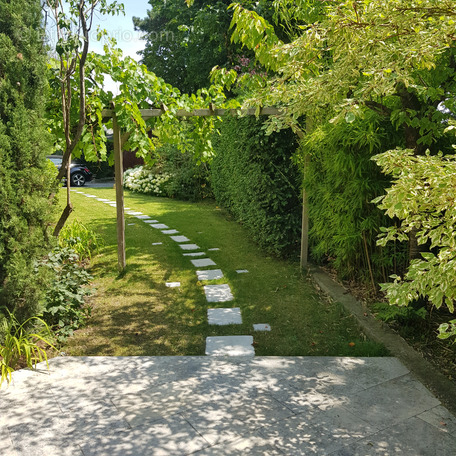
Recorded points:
134,313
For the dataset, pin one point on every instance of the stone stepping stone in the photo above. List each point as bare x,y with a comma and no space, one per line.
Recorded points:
82,193
150,221
218,293
180,238
159,226
102,200
91,196
211,274
143,217
157,243
134,213
222,317
113,204
173,284
131,224
188,246
170,231
203,262
230,346
242,271
214,249
194,254
262,327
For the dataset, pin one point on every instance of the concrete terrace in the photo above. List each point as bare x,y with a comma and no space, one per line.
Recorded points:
138,406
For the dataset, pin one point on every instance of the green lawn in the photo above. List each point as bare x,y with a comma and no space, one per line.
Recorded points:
136,314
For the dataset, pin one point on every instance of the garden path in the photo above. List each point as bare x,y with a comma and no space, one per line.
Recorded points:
221,405
215,293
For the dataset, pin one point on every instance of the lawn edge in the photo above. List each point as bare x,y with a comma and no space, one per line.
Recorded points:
423,370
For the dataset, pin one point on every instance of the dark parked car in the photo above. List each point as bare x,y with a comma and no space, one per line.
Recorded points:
80,174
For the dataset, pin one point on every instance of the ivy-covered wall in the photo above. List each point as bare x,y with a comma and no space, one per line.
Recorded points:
255,178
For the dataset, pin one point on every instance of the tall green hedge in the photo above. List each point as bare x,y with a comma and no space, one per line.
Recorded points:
341,182
25,180
254,177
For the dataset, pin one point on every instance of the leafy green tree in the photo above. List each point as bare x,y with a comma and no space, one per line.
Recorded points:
25,177
397,58
423,198
183,44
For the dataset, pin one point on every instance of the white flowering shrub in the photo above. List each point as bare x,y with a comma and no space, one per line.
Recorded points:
145,180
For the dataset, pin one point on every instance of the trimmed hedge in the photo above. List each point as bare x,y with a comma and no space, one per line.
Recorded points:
254,178
26,177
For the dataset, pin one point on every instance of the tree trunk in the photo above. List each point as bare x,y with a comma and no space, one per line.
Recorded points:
63,218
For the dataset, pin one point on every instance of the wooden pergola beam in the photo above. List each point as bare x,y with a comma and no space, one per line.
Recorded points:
119,140
149,113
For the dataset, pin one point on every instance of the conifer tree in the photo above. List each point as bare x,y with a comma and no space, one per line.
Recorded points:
25,174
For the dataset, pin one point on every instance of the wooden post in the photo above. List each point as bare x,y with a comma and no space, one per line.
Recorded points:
118,160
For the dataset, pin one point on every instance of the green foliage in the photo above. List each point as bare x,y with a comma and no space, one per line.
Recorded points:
447,330
81,239
21,342
403,315
189,180
26,180
184,44
65,305
254,177
422,198
341,180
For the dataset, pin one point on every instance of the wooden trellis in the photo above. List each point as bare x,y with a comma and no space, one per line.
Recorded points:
119,141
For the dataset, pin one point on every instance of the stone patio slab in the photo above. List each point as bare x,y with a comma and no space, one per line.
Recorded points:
222,405
159,226
218,293
194,254
170,231
210,274
262,327
189,246
180,238
230,346
203,262
222,317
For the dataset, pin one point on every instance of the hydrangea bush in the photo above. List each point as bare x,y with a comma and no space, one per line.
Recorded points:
145,180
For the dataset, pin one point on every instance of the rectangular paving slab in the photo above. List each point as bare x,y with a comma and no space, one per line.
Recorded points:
222,317
150,221
203,262
170,231
180,238
159,226
218,293
194,254
143,217
262,327
230,346
211,274
189,246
